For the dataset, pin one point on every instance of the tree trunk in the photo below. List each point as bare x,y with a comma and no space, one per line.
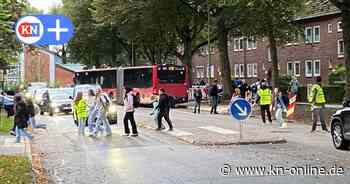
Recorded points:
225,68
64,55
346,38
188,58
274,57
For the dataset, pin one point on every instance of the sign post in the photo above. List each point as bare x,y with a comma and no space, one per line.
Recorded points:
240,110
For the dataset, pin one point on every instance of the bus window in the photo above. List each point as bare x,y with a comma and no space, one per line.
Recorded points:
138,78
171,75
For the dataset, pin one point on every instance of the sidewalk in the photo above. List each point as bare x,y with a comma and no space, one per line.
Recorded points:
9,147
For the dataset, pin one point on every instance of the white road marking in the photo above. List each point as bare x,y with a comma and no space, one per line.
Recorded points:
179,133
219,130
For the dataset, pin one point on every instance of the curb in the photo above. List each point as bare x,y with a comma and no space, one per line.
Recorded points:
191,140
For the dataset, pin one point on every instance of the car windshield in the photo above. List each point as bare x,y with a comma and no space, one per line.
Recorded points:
85,89
59,97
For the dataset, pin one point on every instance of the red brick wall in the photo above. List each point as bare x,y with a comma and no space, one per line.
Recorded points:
37,66
326,51
63,76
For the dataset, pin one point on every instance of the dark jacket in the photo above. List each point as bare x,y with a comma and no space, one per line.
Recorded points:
198,95
21,116
163,104
30,108
213,90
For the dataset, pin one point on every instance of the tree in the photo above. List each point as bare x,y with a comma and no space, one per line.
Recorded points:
10,11
276,21
344,7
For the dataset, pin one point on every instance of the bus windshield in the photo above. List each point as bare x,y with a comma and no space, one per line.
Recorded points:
171,75
138,78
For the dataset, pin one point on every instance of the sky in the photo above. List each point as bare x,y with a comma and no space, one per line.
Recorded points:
44,4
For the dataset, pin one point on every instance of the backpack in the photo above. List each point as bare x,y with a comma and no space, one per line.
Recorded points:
136,100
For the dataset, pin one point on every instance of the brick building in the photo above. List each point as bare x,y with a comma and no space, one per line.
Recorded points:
42,65
317,54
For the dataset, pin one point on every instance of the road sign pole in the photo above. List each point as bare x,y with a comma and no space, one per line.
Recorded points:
240,131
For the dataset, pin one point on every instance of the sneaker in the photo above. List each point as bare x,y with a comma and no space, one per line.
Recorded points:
126,135
12,133
158,129
170,129
134,135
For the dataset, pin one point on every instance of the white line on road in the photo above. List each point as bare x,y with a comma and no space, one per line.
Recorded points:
219,130
179,133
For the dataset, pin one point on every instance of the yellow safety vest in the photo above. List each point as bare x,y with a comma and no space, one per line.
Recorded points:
265,96
317,95
80,109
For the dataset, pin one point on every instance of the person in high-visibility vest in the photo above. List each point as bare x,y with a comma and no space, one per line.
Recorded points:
265,100
81,110
318,101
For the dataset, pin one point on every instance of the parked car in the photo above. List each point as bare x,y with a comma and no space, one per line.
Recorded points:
7,103
340,128
112,115
59,101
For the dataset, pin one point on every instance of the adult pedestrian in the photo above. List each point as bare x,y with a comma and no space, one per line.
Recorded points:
265,100
81,109
294,86
102,105
129,113
164,110
317,100
197,100
92,110
214,96
21,119
244,88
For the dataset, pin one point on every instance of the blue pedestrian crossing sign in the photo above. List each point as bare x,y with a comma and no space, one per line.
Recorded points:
240,109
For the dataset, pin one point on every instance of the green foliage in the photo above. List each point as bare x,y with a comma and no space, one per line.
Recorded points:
10,11
284,81
15,169
337,76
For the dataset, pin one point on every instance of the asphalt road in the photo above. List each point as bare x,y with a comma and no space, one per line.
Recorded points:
159,157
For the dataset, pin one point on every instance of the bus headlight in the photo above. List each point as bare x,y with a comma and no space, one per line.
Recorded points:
112,109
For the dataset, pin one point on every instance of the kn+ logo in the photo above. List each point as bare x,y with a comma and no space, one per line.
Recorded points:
42,30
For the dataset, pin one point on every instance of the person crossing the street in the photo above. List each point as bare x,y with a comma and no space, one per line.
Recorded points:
265,100
197,100
129,108
164,110
92,111
81,109
102,104
317,100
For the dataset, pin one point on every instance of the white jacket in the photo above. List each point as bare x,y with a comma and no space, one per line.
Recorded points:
129,103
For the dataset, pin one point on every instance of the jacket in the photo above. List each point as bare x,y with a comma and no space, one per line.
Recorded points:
81,109
21,116
213,90
129,103
163,104
198,96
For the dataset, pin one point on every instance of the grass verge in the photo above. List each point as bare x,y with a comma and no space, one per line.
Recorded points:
15,170
5,123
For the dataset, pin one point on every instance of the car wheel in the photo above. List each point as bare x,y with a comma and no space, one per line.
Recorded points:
338,137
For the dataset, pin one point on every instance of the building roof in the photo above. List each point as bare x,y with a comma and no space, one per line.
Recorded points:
318,8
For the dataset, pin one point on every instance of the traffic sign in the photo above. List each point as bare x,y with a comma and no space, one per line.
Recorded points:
240,109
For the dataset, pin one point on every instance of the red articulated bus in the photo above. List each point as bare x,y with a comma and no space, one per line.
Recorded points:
145,80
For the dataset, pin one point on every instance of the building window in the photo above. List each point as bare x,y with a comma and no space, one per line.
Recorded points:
237,70
241,66
290,68
340,27
340,48
249,70
317,68
308,68
239,43
269,57
200,72
330,28
297,68
236,44
251,43
308,35
255,70
211,71
316,34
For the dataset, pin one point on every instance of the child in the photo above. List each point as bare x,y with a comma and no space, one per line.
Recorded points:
21,119
81,109
280,107
236,94
155,111
197,100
